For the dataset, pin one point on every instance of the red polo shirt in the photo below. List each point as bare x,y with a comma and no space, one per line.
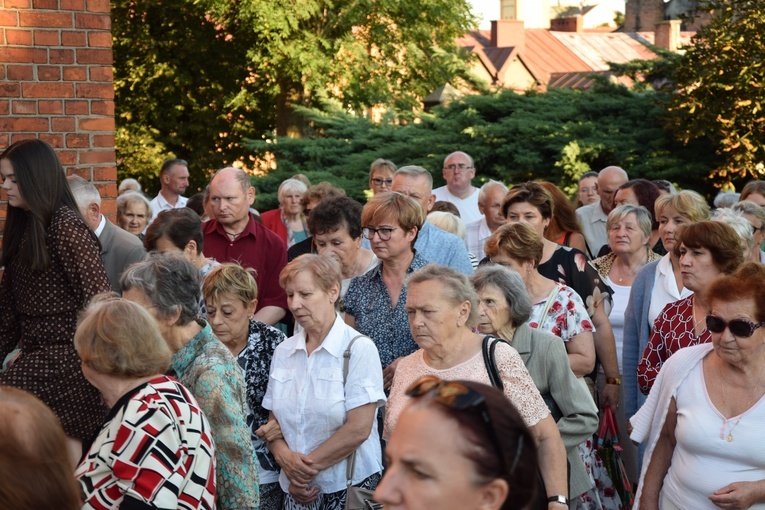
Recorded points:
256,247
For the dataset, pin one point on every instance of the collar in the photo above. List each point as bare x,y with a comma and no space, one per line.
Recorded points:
101,226
215,226
522,338
333,343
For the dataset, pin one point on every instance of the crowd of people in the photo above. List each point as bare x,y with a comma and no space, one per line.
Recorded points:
447,348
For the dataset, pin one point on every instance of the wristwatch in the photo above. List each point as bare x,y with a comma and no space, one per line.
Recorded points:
563,500
614,380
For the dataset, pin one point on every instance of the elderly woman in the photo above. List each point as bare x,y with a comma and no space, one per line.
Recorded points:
741,225
458,445
311,199
128,185
556,308
375,302
133,212
167,285
703,420
642,192
231,295
503,310
325,412
531,203
288,221
705,250
755,215
441,305
156,448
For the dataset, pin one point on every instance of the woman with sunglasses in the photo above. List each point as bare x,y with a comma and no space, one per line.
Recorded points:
441,306
458,445
703,419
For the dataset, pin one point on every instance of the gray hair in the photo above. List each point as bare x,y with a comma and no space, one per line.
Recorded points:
489,185
288,185
170,282
460,153
124,200
83,190
642,216
241,176
456,285
726,199
129,185
448,222
511,285
737,222
415,171
747,207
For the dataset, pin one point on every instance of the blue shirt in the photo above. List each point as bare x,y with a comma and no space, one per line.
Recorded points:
441,247
369,302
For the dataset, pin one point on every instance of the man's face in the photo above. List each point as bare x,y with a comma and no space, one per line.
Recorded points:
416,188
176,179
230,203
491,208
608,183
458,171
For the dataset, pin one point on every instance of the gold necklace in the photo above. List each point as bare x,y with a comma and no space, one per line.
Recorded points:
729,437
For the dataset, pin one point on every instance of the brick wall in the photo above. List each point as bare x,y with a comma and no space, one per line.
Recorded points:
56,84
643,15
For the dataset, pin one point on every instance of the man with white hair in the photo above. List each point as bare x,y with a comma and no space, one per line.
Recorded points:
458,171
490,204
593,217
119,248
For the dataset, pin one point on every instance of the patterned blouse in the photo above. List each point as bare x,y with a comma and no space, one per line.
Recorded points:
255,362
208,369
369,302
566,316
154,451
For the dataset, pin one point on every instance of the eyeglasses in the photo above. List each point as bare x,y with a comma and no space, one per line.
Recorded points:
461,168
739,327
383,233
380,182
459,397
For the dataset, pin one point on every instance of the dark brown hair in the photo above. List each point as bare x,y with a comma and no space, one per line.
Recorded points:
746,283
646,193
564,219
534,194
721,240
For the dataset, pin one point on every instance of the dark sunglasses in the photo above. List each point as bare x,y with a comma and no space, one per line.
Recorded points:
457,396
739,327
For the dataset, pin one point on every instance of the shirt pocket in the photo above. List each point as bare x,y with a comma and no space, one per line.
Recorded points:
283,381
329,384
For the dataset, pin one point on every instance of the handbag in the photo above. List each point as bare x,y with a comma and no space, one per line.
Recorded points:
609,450
356,498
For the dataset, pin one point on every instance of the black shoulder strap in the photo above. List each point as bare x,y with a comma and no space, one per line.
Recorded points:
488,348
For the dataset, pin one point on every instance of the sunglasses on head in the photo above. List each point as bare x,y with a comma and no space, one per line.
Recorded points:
739,327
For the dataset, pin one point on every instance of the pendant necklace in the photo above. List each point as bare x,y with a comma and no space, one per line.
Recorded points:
729,437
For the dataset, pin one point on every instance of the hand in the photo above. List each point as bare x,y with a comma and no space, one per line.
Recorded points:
304,495
738,495
388,373
610,397
298,468
271,431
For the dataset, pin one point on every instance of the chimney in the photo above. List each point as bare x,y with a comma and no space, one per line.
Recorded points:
667,34
507,33
571,24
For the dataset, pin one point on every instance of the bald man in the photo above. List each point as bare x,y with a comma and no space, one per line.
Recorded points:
458,172
593,217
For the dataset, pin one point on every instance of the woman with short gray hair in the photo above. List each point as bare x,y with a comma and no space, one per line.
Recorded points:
288,221
168,287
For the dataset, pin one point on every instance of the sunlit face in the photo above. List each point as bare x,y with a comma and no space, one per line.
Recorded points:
135,217
697,267
340,246
491,208
625,236
10,186
625,196
670,223
230,203
415,187
290,202
527,213
309,304
588,190
400,242
756,198
422,473
458,171
433,319
230,320
493,310
380,181
730,347
176,179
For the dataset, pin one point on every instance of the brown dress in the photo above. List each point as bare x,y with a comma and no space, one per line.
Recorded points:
38,309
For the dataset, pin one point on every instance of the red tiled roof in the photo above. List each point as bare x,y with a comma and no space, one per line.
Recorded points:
544,55
597,49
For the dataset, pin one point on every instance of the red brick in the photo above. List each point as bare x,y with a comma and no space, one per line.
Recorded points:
97,91
2,38
20,4
97,156
5,108
20,124
8,18
61,57
77,141
45,4
67,157
15,137
103,141
102,73
50,107
47,38
10,90
62,124
108,209
21,73
94,56
21,107
19,37
75,74
2,72
96,124
105,173
85,173
93,21
76,107
98,6
72,5
52,90
100,39
49,73
25,55
102,107
73,38
106,190
44,19
55,139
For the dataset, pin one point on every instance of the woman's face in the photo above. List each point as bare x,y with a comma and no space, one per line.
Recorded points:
340,246
670,223
625,196
524,211
433,319
522,268
756,198
588,190
310,305
135,217
493,310
165,245
625,236
400,241
380,181
290,201
697,267
428,469
11,187
731,348
229,319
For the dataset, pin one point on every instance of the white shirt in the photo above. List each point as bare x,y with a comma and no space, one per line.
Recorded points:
159,204
468,207
616,318
307,397
477,234
593,221
101,225
664,289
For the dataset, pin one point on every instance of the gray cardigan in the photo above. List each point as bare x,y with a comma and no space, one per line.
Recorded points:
547,362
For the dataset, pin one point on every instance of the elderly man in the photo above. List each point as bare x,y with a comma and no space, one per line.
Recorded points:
233,235
433,244
174,179
593,217
458,171
490,204
119,248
